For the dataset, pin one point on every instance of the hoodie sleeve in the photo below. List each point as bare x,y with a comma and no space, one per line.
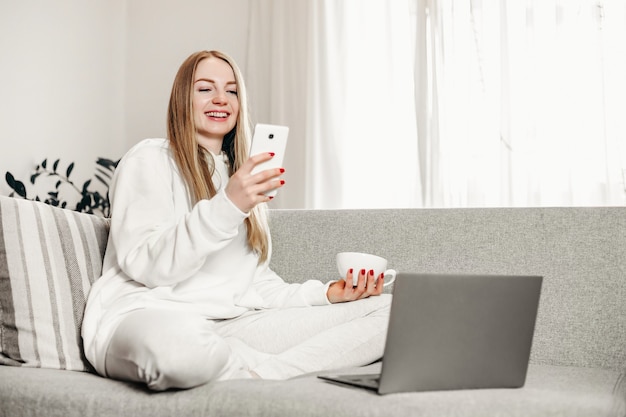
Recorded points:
276,293
157,242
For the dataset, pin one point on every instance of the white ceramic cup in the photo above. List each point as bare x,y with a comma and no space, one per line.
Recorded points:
358,260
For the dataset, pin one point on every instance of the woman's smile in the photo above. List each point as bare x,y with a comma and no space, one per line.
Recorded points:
217,115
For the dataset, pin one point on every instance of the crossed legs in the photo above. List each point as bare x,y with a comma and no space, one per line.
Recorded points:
169,349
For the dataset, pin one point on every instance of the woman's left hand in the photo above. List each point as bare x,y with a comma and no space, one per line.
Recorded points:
367,286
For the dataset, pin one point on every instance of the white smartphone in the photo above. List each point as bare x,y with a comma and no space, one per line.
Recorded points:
269,138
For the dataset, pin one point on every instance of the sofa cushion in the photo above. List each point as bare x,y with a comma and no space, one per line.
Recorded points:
549,391
49,257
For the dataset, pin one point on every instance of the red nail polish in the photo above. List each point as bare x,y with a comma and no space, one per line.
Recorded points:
362,271
371,272
272,153
282,182
282,170
350,271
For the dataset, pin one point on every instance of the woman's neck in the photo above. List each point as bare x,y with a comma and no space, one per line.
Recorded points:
213,145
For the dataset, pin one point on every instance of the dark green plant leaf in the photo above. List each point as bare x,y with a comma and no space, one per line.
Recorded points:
10,179
86,187
52,200
58,184
44,163
16,185
69,170
34,177
84,204
107,163
108,174
55,165
99,178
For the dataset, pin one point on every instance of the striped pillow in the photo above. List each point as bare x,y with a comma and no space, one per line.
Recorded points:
49,257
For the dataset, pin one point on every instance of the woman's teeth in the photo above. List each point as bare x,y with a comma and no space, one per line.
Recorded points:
217,114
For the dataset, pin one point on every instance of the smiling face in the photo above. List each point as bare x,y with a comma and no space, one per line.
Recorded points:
215,102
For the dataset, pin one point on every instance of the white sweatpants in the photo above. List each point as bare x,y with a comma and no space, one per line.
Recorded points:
167,349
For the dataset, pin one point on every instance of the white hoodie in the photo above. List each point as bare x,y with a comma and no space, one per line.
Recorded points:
164,253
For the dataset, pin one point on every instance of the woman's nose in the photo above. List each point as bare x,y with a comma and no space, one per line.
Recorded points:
220,97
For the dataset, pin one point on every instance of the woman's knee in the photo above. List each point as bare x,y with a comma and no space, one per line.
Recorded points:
166,350
191,363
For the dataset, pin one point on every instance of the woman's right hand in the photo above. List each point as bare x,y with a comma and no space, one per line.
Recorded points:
246,190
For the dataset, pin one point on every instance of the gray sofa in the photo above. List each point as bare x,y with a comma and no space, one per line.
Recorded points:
578,359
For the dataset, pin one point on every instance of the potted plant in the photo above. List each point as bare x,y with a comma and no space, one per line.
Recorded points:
90,200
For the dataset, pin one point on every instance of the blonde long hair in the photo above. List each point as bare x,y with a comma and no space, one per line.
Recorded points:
191,158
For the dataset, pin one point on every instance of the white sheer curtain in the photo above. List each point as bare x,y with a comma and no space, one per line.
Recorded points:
351,99
517,102
276,73
528,102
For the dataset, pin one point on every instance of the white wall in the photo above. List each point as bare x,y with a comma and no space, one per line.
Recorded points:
61,84
161,34
81,80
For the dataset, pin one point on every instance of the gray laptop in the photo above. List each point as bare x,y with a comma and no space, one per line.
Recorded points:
449,332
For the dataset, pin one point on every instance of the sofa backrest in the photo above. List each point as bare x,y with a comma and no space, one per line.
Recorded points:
580,252
49,257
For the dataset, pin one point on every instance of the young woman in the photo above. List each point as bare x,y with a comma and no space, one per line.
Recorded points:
187,295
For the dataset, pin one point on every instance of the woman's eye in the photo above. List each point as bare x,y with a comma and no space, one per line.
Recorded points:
233,92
